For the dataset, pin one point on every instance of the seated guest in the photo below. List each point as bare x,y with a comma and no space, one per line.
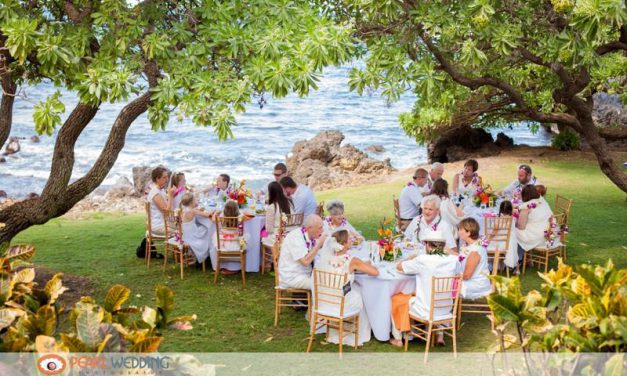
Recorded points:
178,182
525,178
195,234
302,197
506,209
335,220
435,173
435,263
278,204
334,258
280,170
449,211
430,220
229,239
411,196
221,187
533,219
159,200
468,181
474,259
298,251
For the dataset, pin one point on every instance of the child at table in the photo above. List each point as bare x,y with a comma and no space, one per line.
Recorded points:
177,182
195,234
230,238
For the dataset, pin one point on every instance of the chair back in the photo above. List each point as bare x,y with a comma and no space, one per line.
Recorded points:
148,218
563,205
320,209
227,230
169,222
329,289
295,219
497,230
397,210
276,253
445,293
560,221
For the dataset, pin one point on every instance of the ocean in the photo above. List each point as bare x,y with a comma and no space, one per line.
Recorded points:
262,137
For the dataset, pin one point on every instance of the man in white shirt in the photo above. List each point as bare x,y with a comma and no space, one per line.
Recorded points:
410,198
525,178
436,172
298,251
430,220
302,197
425,266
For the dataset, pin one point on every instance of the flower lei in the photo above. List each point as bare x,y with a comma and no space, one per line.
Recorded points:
554,233
179,190
434,226
281,230
310,243
473,181
328,220
465,251
411,184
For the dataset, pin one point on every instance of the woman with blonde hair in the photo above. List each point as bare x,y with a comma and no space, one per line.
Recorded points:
177,181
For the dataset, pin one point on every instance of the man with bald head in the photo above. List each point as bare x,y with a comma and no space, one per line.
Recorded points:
298,251
436,172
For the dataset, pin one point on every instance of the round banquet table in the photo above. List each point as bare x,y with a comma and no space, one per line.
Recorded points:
252,231
377,291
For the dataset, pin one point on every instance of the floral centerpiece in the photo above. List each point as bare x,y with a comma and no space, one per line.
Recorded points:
239,194
387,234
484,195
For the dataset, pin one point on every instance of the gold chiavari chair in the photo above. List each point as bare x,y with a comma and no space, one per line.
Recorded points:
329,308
445,293
227,230
154,240
397,214
320,209
498,231
294,221
563,205
183,254
542,255
286,297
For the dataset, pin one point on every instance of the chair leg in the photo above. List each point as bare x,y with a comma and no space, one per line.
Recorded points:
341,333
262,254
459,314
277,295
243,265
546,261
454,341
428,343
204,264
215,274
309,307
165,258
182,266
148,249
406,335
356,334
311,337
524,262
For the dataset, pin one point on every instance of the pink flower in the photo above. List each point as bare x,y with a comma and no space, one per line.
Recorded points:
461,258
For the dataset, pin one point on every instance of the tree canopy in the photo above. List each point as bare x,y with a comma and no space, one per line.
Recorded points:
493,62
197,59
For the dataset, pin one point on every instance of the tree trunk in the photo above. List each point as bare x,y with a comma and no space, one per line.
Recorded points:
590,132
57,196
6,107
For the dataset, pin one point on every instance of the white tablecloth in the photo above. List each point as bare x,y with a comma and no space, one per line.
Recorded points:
377,292
252,230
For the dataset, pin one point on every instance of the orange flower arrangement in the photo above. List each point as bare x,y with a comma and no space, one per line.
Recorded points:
239,194
387,249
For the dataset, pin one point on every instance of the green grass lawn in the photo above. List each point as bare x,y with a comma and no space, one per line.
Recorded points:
230,318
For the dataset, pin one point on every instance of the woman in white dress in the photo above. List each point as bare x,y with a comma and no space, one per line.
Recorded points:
177,181
533,219
474,259
334,258
448,210
467,182
159,200
278,204
336,220
195,234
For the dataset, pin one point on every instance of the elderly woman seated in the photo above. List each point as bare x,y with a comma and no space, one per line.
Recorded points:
335,220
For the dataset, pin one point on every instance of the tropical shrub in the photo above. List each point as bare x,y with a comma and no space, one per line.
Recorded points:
580,310
566,140
30,317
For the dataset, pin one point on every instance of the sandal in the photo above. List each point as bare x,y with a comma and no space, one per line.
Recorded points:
396,342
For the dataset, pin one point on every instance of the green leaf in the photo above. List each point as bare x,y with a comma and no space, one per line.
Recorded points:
615,366
148,345
87,328
54,288
503,308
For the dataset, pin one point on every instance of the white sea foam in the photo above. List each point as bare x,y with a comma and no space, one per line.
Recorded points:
262,138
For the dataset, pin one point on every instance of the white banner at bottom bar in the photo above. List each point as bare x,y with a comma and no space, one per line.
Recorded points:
319,364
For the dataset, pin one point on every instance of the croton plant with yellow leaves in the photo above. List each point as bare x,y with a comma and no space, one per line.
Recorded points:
578,310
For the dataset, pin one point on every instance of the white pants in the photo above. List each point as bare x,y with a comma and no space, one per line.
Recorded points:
298,282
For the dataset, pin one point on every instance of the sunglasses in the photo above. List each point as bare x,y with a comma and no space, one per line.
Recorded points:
277,175
419,177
